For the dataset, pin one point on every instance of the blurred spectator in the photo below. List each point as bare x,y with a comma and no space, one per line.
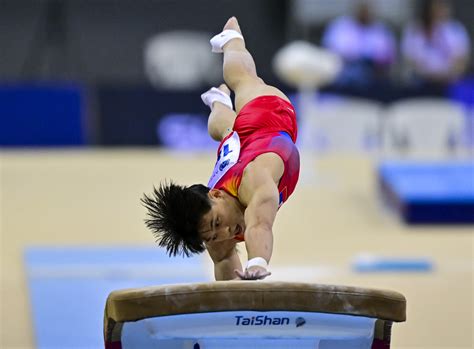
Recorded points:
435,48
366,45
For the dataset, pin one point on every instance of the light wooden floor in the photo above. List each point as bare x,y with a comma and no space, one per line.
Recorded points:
92,197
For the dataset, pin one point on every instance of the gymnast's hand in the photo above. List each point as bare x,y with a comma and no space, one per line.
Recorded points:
253,273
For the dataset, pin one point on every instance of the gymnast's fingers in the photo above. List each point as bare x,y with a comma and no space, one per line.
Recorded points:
261,276
240,274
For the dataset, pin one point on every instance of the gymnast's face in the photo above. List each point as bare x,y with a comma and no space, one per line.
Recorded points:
225,220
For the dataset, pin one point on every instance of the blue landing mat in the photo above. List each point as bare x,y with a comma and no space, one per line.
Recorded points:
430,193
383,264
68,287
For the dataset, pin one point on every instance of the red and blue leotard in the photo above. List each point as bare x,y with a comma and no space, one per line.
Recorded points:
266,124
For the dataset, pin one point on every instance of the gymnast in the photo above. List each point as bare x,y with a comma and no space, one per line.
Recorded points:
256,171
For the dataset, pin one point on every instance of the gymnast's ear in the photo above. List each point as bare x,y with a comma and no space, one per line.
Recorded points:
215,194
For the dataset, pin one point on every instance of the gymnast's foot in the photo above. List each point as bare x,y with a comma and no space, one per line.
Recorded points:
229,34
232,24
225,89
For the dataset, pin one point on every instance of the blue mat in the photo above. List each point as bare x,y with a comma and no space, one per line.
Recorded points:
383,264
425,193
68,287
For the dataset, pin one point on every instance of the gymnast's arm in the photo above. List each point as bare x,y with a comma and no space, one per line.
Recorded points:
259,189
225,258
259,217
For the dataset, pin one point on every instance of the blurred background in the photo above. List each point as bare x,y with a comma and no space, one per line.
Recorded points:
100,100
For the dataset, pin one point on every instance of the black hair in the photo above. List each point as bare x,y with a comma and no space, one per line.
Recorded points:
174,214
425,13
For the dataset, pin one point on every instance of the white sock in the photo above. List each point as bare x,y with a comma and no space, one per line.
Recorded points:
216,95
218,41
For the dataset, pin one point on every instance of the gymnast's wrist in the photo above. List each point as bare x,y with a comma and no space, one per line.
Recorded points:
257,262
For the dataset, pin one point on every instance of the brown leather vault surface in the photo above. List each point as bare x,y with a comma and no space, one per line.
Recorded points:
141,303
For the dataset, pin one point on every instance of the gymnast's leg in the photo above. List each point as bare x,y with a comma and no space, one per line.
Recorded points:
240,73
222,117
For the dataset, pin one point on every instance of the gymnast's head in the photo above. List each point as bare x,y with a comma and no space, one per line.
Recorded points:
183,219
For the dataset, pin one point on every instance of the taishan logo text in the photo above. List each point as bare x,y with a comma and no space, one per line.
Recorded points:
261,321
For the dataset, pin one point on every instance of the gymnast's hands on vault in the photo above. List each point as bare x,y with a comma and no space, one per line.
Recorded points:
253,273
